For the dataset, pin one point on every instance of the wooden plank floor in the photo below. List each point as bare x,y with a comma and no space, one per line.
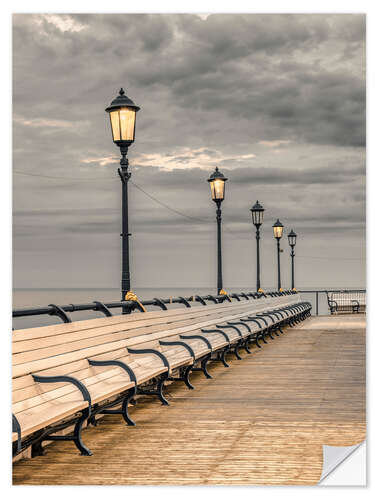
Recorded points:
261,421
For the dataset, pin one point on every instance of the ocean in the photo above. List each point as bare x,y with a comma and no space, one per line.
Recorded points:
37,297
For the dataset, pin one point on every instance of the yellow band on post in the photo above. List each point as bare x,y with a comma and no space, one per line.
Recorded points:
223,292
132,296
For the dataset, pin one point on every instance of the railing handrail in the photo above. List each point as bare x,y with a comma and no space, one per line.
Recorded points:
130,305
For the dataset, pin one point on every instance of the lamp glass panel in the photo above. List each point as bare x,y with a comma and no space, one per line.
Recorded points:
292,240
257,216
115,124
217,189
123,124
254,215
127,124
278,231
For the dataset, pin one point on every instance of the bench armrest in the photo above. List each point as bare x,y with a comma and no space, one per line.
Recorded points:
211,297
273,316
268,315
203,330
200,337
277,313
241,323
178,342
284,312
150,351
255,320
64,378
355,305
115,362
198,298
260,316
184,301
231,325
332,304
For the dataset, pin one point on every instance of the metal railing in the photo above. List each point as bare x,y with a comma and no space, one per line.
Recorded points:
318,298
128,306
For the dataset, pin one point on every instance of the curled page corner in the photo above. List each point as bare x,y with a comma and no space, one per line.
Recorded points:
333,456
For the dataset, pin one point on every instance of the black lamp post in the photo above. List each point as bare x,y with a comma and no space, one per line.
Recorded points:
278,232
257,212
217,185
122,113
292,238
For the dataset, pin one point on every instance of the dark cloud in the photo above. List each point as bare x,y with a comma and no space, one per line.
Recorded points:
276,101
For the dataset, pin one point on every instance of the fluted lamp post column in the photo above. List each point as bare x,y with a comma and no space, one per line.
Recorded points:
292,238
217,184
257,213
122,112
278,233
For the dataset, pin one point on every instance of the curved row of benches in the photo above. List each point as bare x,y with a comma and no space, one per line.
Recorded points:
66,374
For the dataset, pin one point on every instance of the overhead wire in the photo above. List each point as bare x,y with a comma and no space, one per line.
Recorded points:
171,209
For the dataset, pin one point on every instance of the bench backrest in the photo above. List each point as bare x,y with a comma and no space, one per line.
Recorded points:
64,349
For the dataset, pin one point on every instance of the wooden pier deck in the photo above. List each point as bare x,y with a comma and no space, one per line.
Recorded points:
261,421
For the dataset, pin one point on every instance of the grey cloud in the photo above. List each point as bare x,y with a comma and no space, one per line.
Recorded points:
210,92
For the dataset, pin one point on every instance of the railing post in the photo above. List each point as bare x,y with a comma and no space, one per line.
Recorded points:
317,303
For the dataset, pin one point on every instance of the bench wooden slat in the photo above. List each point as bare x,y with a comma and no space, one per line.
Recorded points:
132,329
28,356
46,331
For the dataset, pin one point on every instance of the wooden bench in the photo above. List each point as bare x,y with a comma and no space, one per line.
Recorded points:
342,302
66,374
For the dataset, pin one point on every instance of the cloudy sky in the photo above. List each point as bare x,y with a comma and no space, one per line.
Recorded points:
277,102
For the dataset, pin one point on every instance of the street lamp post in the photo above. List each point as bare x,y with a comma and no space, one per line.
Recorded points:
257,213
278,232
122,112
292,238
217,185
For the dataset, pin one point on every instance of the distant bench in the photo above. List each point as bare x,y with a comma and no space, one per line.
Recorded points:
342,302
64,375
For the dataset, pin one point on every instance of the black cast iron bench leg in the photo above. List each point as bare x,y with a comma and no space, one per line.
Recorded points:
237,346
184,376
203,366
37,449
221,356
159,390
123,411
76,437
269,333
246,344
